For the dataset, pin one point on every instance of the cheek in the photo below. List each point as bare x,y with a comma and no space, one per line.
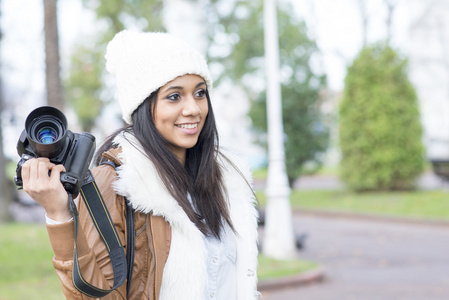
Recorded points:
163,112
161,119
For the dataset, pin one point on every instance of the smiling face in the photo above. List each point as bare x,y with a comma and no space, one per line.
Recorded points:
180,112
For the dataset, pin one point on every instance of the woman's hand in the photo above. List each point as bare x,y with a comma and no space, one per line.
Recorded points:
45,189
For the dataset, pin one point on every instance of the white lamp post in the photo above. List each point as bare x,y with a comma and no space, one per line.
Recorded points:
279,241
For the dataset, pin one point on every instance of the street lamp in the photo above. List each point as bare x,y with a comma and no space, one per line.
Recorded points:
278,239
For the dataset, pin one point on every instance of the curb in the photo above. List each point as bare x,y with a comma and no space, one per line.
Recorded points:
308,277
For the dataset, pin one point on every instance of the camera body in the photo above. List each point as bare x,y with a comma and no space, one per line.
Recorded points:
46,135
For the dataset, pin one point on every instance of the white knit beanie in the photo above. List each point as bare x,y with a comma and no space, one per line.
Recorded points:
142,62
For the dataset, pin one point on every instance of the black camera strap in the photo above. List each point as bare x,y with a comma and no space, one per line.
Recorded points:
105,227
130,234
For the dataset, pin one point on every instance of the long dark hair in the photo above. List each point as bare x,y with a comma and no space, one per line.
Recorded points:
200,177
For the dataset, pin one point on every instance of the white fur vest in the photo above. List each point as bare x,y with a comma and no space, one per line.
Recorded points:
185,274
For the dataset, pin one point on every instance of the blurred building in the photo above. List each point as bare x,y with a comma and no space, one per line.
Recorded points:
429,71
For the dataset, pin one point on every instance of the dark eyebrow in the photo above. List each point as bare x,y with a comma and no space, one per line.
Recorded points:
181,88
200,84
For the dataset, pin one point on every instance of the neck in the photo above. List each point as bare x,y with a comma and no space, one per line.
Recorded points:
180,155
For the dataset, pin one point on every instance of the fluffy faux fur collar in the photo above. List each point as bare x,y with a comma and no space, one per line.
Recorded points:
185,272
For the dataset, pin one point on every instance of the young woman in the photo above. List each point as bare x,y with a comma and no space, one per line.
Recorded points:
195,218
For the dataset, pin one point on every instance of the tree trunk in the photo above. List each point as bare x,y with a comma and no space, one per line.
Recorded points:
5,183
6,195
391,6
52,68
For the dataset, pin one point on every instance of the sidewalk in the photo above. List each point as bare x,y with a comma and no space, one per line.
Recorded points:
427,181
370,259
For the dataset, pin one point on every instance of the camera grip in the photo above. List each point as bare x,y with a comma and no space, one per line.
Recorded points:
78,164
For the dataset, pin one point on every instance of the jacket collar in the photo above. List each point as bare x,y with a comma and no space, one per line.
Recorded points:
185,273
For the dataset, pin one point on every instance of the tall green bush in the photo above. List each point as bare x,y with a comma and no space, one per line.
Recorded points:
85,87
380,129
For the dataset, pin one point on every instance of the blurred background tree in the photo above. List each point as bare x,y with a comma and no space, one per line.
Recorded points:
380,128
6,195
52,66
236,45
84,85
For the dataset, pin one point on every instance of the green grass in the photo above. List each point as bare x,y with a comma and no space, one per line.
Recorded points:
26,269
272,268
416,204
260,173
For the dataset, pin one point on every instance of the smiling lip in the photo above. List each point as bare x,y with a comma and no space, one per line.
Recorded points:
189,128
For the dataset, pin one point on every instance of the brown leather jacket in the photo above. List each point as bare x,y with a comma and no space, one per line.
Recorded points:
153,238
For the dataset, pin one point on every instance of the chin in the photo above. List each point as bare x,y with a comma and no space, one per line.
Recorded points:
189,146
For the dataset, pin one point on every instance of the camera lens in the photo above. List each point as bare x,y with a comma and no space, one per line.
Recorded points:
47,135
46,131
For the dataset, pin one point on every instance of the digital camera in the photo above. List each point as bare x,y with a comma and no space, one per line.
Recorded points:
46,135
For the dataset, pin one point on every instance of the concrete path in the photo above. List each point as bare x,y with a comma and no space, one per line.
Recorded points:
372,260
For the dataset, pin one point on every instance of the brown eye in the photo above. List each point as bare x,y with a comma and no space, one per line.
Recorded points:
200,93
173,97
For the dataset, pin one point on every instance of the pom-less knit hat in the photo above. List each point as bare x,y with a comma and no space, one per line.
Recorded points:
143,62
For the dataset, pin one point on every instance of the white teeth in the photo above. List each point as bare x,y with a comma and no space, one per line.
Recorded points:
188,126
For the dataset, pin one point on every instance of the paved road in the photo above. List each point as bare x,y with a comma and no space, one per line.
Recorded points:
372,260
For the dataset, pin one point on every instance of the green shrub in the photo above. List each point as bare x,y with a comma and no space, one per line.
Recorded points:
380,129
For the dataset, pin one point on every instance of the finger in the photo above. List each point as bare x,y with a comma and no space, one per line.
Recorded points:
43,167
44,159
29,174
56,172
33,168
25,172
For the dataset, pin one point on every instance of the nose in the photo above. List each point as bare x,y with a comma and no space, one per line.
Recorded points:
190,108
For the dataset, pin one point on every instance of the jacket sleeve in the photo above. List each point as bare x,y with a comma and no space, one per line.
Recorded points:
93,257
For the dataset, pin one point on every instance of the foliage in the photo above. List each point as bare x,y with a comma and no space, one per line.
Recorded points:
380,129
85,88
235,36
118,14
236,43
